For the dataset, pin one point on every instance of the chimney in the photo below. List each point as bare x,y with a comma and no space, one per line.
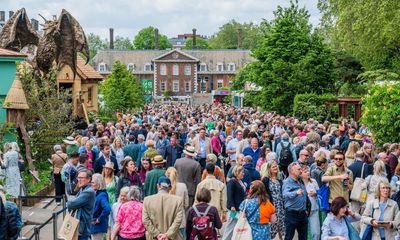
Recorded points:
111,38
194,46
35,24
239,38
156,38
10,14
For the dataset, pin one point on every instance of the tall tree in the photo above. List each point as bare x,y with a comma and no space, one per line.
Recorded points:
290,60
95,44
121,90
122,43
201,43
368,29
145,40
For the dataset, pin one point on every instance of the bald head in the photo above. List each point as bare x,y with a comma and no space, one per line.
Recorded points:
383,157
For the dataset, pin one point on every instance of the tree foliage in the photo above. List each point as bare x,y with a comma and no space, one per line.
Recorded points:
368,29
227,36
381,112
316,106
122,43
290,60
95,44
145,40
201,43
121,90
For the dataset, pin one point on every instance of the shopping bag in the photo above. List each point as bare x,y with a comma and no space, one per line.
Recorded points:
358,193
242,228
69,228
353,234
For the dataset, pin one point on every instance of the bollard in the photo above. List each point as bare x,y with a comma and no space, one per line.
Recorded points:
55,228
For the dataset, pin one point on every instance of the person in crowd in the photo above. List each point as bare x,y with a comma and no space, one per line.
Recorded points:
346,142
150,184
58,159
173,151
321,164
163,212
129,176
161,141
105,157
202,146
232,145
215,142
218,173
367,149
142,145
10,218
179,189
250,173
129,219
217,190
312,188
72,145
101,210
263,157
189,172
69,175
340,178
83,162
393,157
239,162
203,208
295,199
146,167
82,144
304,157
117,151
92,155
123,198
380,213
336,225
253,150
132,149
383,156
111,182
236,193
259,211
83,204
372,181
350,155
395,181
151,151
12,173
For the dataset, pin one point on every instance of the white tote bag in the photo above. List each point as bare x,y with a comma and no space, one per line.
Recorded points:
242,228
358,193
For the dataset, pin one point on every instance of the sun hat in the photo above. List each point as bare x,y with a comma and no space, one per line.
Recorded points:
109,165
158,159
69,140
189,150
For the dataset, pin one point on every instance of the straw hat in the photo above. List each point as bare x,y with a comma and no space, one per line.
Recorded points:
158,159
189,150
109,165
358,137
69,140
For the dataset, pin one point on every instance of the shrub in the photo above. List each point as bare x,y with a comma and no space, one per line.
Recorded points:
311,105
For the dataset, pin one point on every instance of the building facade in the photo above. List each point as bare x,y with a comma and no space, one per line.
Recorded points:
177,73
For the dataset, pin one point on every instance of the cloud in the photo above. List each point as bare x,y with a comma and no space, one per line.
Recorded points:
172,17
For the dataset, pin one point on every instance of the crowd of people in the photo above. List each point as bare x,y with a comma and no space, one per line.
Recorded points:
175,171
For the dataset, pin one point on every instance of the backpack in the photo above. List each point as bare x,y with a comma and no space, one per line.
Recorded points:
286,156
203,227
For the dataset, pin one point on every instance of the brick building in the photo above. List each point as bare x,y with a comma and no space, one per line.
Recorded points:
179,73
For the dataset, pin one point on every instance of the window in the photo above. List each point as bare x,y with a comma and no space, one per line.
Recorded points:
147,67
187,86
131,67
175,69
220,83
203,84
187,69
90,96
163,69
175,86
220,67
102,67
231,67
203,67
163,86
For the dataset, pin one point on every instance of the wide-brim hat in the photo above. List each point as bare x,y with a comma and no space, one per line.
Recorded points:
69,140
358,137
189,150
158,159
109,165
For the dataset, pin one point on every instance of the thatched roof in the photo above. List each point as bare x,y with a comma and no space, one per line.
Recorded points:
15,98
9,53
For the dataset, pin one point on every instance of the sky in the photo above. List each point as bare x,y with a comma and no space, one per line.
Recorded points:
171,17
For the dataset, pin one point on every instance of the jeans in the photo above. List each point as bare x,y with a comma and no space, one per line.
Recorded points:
315,225
296,221
229,228
83,237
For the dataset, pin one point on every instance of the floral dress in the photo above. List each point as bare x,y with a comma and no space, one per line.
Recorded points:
12,173
276,193
111,190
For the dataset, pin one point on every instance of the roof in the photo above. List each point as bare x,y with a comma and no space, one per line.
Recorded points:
15,98
9,53
86,71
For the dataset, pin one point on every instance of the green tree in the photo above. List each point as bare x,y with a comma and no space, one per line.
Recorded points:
201,43
381,111
368,29
121,90
290,60
95,44
348,69
122,43
145,40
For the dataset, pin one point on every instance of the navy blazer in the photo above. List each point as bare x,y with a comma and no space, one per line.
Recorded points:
100,162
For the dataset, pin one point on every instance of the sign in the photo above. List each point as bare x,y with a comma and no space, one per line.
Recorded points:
221,92
147,85
202,98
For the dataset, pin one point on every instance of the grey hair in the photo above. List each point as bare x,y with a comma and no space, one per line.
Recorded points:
99,179
291,166
272,156
134,194
57,148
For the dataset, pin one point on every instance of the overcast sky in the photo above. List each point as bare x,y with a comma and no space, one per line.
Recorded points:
172,17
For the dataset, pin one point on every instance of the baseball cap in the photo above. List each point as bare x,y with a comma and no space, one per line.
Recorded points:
164,181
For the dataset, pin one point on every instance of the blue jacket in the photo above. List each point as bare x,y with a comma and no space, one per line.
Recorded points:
101,212
83,203
254,154
250,174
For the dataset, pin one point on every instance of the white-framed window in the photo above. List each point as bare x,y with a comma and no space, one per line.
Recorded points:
163,69
175,86
203,84
220,67
163,86
220,83
231,67
175,70
102,67
203,67
131,67
187,86
147,67
188,69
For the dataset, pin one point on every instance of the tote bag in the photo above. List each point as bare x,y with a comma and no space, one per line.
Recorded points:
69,228
353,234
357,193
242,228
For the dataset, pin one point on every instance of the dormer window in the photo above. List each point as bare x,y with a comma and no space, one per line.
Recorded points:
147,67
102,67
231,67
131,67
203,67
220,67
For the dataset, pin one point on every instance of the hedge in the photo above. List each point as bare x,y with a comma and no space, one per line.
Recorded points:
311,105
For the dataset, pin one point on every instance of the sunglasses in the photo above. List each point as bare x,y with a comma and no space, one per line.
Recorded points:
339,159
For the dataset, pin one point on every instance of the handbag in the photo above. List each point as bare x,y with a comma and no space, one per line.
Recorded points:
323,197
353,234
69,228
358,193
242,228
367,235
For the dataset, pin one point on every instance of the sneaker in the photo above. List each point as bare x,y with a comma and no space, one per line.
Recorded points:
58,204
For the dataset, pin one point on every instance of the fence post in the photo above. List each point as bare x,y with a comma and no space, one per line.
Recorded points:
20,203
64,204
55,228
37,233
